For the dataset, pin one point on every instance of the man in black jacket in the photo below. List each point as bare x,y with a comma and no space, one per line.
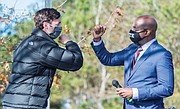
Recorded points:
36,60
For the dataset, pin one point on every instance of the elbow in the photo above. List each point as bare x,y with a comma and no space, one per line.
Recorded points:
77,64
169,91
106,62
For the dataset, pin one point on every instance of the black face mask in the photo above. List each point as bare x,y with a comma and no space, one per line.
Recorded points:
56,32
135,37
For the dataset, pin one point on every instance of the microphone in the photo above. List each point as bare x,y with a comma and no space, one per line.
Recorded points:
116,84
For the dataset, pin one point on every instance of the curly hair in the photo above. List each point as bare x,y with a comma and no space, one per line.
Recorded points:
45,15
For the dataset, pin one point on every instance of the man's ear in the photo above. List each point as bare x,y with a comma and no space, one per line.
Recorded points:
147,32
45,25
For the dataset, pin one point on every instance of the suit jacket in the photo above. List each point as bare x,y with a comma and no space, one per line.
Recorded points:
153,74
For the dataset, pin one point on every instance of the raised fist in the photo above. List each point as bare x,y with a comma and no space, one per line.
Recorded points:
98,31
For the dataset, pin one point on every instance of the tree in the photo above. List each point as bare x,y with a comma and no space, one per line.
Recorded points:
90,87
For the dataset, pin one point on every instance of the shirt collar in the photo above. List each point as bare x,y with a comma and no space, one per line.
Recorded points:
146,45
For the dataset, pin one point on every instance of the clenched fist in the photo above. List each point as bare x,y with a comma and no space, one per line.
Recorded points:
63,39
98,31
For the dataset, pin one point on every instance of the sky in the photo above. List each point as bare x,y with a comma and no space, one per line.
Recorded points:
23,10
22,5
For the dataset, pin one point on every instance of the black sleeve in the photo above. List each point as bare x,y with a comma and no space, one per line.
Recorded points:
69,59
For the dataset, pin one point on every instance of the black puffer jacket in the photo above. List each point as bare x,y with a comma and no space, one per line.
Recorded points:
34,64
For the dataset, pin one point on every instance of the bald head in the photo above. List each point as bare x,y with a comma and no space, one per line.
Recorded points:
146,27
145,22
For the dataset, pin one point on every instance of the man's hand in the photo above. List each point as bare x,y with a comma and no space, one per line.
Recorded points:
63,39
98,31
125,92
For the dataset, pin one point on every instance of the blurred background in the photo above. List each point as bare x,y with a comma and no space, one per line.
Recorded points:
90,87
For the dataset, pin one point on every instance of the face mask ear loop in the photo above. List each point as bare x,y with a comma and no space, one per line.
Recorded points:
143,31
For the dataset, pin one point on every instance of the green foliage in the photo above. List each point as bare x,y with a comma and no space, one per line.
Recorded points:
24,29
108,104
8,45
80,17
83,87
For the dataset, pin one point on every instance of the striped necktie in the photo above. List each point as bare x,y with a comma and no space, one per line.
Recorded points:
136,56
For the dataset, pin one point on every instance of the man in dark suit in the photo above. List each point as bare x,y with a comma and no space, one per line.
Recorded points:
148,67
